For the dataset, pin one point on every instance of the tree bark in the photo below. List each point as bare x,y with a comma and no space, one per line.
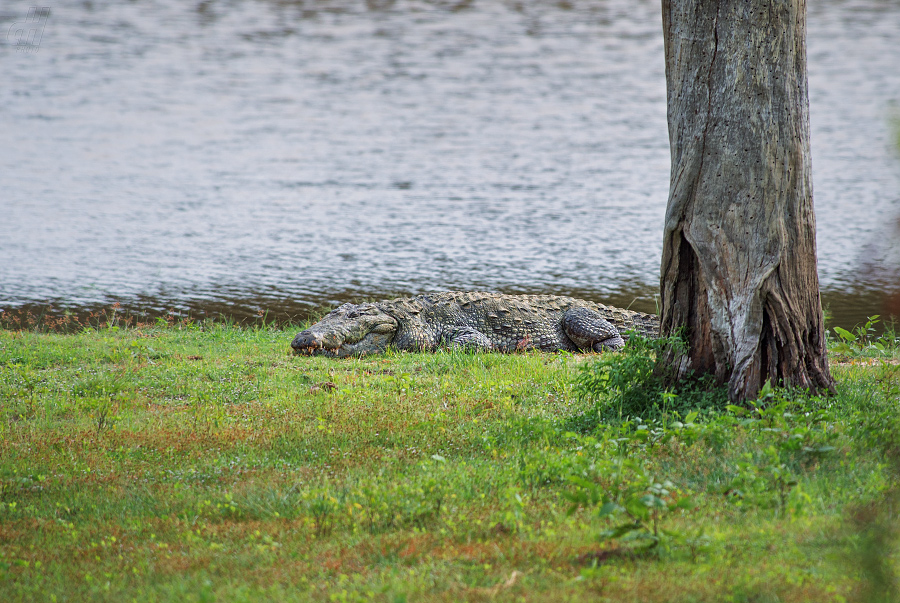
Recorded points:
738,275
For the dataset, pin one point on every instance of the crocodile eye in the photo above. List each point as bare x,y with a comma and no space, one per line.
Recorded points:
352,314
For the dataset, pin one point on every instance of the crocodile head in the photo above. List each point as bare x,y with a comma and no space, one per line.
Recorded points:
350,330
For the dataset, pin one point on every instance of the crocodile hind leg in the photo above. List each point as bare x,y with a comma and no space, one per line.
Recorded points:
467,338
590,331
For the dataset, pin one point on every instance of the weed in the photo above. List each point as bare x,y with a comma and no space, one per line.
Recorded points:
513,505
27,386
625,487
322,508
104,410
633,384
863,340
401,383
763,481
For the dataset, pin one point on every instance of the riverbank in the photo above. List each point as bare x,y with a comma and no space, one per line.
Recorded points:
203,462
843,307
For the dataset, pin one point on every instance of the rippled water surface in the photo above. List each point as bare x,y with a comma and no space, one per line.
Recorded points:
232,156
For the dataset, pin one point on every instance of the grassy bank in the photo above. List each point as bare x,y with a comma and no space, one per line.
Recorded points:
204,463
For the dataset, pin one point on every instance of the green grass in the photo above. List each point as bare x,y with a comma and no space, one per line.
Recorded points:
205,463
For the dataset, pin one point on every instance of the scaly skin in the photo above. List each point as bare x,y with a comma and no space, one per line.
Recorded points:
486,321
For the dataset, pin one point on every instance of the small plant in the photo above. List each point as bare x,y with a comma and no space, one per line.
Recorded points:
418,502
513,504
101,410
633,384
142,352
862,341
200,404
321,507
401,383
763,483
30,387
373,510
624,488
224,507
627,375
786,441
103,397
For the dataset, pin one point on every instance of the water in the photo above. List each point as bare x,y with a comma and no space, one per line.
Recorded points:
230,157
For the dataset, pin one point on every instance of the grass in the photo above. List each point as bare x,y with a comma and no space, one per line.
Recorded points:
204,463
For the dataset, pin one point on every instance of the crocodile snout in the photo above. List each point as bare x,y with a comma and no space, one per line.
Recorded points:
307,340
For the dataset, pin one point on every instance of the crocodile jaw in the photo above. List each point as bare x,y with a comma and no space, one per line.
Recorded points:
351,330
373,343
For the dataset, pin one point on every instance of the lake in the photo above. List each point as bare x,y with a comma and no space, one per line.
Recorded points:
243,156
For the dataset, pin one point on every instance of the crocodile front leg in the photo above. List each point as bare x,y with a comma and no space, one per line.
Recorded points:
467,338
590,331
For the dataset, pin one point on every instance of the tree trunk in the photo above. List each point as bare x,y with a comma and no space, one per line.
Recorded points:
738,273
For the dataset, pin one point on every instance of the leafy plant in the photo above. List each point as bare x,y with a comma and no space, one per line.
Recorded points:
785,441
763,483
401,383
27,387
624,488
633,383
513,502
321,507
862,341
103,410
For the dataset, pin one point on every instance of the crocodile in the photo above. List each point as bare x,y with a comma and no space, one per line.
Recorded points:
473,320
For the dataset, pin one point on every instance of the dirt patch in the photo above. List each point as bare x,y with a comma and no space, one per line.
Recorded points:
865,362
